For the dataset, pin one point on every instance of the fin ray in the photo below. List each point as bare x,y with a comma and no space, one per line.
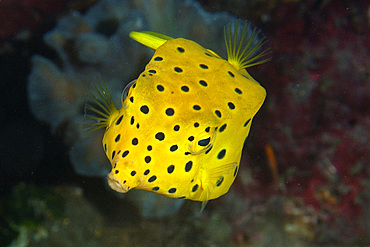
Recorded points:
206,196
246,45
99,107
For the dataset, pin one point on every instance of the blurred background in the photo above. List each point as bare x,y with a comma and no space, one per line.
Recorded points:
303,179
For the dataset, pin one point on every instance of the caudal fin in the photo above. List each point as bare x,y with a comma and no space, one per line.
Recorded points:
246,45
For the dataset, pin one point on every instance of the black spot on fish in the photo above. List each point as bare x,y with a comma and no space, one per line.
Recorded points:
196,124
133,173
203,66
132,120
191,138
124,154
246,123
147,159
188,166
135,141
149,148
219,182
180,49
176,128
221,154
181,197
144,109
134,85
222,128
208,54
236,171
208,129
105,147
119,152
116,171
170,169
115,164
155,188
132,99
152,179
218,113
170,112
152,71
231,74
203,83
119,120
172,190
178,70
204,142
209,150
117,138
187,153
158,59
195,188
231,105
146,172
160,88
185,89
159,136
137,125
113,154
173,148
238,91
196,107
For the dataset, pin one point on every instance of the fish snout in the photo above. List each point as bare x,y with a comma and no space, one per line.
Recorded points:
116,185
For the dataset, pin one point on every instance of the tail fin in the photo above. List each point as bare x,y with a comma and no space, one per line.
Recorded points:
246,45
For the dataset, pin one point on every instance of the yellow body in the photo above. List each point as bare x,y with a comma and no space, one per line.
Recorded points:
203,107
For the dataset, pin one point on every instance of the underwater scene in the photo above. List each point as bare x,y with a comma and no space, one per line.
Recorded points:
185,123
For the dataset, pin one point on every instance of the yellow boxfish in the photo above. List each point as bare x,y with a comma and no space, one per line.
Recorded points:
183,122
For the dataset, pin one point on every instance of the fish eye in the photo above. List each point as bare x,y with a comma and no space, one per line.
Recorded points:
201,142
125,92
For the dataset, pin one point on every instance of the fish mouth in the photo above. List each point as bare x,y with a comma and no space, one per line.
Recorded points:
115,184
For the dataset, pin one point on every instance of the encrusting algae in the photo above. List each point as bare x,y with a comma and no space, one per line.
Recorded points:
182,125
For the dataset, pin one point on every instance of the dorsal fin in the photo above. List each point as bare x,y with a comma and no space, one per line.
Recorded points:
99,107
246,45
150,39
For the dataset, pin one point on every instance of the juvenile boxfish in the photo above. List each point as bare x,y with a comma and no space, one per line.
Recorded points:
183,121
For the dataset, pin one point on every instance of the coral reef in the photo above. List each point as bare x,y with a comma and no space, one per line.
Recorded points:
97,44
304,178
79,222
316,117
25,210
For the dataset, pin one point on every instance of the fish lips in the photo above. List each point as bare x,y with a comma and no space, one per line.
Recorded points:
116,185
